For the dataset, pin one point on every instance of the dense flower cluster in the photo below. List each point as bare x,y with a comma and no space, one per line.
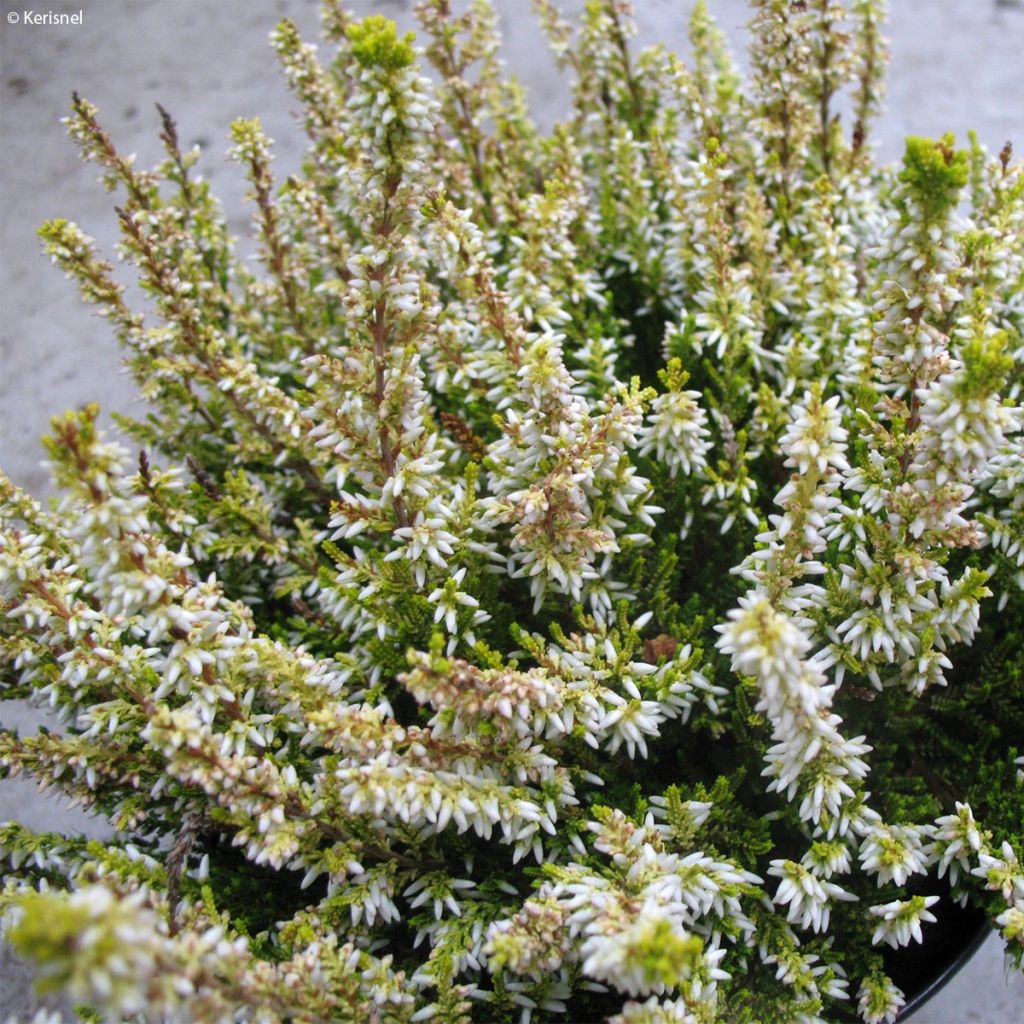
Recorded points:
545,584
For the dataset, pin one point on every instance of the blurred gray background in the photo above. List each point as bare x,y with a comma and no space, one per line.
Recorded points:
956,64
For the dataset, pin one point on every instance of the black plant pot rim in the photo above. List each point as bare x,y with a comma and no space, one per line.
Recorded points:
935,984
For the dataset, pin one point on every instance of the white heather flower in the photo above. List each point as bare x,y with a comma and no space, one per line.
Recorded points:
1003,504
427,539
805,975
560,478
1002,874
1011,923
612,956
806,897
676,431
629,722
958,840
901,920
894,853
962,432
815,436
655,1011
810,754
633,927
533,941
698,811
766,644
879,1001
112,956
448,600
826,858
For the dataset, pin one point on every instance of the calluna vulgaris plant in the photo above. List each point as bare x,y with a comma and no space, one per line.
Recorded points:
574,576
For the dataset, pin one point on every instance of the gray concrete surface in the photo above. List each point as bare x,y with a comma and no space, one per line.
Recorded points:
957,64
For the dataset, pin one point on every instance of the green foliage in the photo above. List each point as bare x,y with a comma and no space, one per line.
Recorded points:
935,172
988,364
375,42
47,931
731,826
667,958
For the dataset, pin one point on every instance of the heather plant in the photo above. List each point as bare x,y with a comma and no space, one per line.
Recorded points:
566,577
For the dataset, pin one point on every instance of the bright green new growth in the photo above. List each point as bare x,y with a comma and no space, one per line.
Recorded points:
988,365
375,42
935,173
246,131
666,957
50,931
673,377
